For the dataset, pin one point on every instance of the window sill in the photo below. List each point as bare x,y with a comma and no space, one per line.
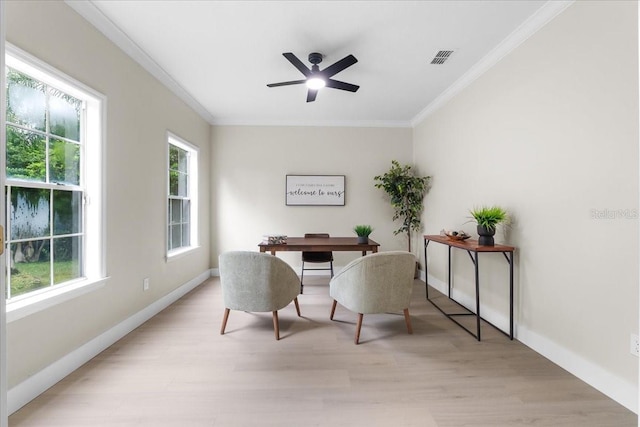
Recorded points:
30,305
179,253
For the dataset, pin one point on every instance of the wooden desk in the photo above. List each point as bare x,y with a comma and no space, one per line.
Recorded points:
471,246
321,244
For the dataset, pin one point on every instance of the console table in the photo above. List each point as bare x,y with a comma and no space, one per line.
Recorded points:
473,249
321,244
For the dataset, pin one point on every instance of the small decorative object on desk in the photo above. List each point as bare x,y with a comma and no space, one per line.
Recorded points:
488,218
455,235
275,239
362,231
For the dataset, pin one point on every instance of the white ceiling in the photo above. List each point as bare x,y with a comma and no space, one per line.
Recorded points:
219,55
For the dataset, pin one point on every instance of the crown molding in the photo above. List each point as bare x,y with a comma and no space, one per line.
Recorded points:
544,15
316,123
91,13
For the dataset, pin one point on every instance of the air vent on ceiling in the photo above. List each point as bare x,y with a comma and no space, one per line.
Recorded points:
441,57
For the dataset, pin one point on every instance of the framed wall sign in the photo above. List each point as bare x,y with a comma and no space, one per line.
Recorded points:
315,190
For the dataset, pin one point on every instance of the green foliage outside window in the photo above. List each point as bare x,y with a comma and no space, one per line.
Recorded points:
43,146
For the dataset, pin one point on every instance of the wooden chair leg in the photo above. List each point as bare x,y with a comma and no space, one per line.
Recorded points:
358,326
295,301
224,320
333,309
407,320
276,325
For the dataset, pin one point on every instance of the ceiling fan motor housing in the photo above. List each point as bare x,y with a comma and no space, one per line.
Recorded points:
315,58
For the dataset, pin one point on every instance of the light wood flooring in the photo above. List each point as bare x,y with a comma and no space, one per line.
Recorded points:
177,370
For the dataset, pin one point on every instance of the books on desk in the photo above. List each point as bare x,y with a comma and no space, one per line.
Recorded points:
274,239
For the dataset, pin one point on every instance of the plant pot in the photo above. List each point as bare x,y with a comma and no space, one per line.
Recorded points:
363,240
486,236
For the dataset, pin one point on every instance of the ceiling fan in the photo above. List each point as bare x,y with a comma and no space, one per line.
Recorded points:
316,79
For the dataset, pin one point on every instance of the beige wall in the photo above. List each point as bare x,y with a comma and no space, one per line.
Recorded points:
249,165
140,112
551,134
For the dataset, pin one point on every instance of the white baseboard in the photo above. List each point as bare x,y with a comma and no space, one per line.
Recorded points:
619,389
30,388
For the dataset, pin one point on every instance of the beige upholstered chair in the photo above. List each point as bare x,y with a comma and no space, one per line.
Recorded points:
254,281
375,283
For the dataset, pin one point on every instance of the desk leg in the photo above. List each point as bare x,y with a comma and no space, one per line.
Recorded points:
273,253
449,274
477,297
426,273
510,295
374,250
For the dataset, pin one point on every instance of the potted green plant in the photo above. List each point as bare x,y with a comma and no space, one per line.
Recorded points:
363,231
488,218
406,191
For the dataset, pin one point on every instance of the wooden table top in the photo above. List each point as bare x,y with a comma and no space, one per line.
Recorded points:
321,244
469,244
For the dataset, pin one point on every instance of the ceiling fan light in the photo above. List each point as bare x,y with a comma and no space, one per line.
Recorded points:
315,83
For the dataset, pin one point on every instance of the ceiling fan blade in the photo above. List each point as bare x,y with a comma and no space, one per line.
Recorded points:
345,62
297,63
311,95
293,82
336,84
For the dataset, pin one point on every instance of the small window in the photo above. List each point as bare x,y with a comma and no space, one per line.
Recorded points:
182,204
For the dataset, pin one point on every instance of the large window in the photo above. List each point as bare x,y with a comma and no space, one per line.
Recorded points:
53,178
182,199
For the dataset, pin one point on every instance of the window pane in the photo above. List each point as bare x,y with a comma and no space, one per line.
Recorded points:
64,115
186,214
173,183
66,259
29,213
26,100
64,162
182,161
178,168
176,211
183,183
185,235
67,212
26,155
176,236
173,157
30,266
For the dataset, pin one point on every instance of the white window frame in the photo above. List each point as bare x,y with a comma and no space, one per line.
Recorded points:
173,139
94,251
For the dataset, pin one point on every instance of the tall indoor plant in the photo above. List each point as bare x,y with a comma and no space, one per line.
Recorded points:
406,191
